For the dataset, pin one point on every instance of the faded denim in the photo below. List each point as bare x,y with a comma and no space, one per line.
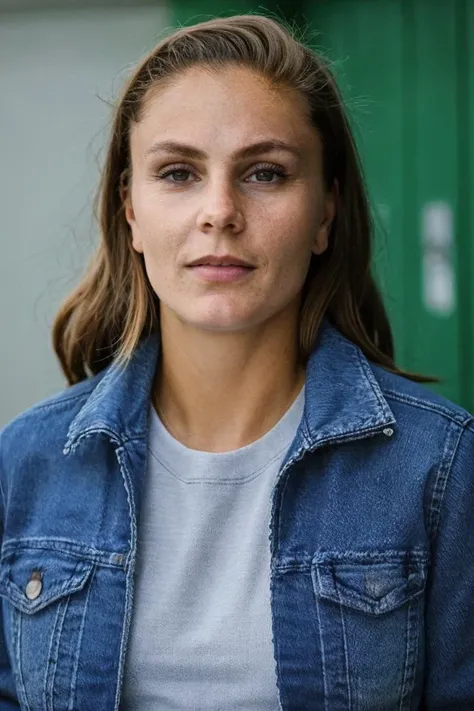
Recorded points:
371,537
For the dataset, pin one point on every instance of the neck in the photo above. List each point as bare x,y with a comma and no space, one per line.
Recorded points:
217,392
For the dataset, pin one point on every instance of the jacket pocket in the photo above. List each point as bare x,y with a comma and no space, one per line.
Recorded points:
370,615
46,591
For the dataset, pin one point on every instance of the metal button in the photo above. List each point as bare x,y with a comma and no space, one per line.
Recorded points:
388,432
34,586
117,559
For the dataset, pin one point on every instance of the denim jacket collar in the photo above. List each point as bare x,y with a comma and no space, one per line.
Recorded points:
342,396
118,405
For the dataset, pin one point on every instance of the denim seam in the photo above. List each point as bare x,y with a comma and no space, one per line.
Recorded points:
390,555
117,438
72,695
277,537
346,653
48,661
52,662
441,482
275,642
321,639
63,546
412,654
323,557
299,454
405,671
130,576
17,631
74,440
368,605
431,407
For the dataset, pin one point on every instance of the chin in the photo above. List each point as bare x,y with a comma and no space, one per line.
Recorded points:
221,324
227,326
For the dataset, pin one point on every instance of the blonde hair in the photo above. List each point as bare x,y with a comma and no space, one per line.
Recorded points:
114,306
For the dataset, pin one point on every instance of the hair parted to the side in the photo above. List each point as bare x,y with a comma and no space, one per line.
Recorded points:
114,306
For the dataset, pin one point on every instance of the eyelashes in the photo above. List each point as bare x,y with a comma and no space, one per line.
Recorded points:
185,171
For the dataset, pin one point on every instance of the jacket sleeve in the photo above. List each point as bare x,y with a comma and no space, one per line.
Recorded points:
449,615
8,697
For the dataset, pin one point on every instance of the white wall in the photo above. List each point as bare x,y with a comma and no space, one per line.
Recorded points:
56,69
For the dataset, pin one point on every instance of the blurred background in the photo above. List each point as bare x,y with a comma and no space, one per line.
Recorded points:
406,70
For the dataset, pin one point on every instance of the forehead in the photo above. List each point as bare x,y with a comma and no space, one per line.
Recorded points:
223,106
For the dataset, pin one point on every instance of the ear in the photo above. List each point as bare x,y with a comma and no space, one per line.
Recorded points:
125,194
329,211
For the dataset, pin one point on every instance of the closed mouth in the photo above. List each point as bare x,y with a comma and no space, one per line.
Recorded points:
225,260
221,266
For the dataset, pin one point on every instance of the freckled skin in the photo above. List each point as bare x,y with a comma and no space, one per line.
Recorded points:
223,204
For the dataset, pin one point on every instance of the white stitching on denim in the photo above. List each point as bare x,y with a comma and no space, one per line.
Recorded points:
415,653
64,546
346,654
275,638
405,672
75,668
323,656
434,407
411,655
130,576
17,620
441,482
54,643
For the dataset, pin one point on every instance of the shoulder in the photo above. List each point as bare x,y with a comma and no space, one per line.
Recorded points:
429,421
436,441
405,396
46,423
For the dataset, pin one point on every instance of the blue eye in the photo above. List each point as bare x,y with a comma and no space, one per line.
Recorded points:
175,172
269,170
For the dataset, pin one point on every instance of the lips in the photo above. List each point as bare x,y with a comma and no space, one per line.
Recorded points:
222,266
220,261
213,273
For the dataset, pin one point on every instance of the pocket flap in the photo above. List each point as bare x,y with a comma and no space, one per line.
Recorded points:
374,583
33,578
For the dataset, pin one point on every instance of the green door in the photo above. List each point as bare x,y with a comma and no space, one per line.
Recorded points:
432,116
466,200
398,64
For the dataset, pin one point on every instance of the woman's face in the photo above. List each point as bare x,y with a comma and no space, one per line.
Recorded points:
224,165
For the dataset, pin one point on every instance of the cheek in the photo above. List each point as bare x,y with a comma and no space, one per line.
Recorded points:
158,232
292,247
153,218
296,224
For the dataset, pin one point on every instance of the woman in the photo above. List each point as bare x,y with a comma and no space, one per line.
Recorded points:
240,502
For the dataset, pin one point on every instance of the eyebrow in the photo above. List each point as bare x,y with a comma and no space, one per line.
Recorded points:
254,149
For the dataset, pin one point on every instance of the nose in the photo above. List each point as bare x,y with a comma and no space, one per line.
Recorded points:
220,209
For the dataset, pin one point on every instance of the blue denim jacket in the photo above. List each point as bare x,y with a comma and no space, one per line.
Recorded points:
371,535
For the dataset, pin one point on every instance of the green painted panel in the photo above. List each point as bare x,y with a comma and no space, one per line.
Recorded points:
465,60
398,67
433,111
368,65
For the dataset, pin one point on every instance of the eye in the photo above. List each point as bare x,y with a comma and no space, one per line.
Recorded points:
180,174
265,173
